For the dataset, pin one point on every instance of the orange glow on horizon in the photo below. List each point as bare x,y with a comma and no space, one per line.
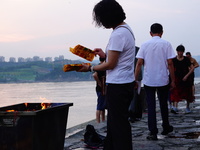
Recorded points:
15,38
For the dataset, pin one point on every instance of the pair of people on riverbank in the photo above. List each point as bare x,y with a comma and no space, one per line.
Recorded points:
184,79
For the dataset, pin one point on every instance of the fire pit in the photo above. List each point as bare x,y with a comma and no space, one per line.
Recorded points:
33,126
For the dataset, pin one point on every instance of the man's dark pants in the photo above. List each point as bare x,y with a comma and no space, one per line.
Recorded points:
162,93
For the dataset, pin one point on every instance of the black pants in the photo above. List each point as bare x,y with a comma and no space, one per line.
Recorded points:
151,102
119,136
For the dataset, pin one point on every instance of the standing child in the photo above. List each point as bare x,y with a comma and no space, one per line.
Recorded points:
100,77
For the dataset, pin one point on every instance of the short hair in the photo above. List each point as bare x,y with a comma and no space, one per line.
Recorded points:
180,48
156,28
108,13
188,53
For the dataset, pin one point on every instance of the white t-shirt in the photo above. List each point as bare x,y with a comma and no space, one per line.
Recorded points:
155,53
122,40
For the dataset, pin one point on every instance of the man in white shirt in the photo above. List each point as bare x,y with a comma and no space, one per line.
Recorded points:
156,56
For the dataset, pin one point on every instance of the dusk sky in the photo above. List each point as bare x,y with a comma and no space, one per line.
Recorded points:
47,28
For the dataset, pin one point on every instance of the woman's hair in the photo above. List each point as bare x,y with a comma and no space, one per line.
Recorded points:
180,48
108,13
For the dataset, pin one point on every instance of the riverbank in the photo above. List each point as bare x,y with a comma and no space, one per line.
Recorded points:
186,134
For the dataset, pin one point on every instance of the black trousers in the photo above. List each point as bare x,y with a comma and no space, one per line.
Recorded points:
151,102
119,136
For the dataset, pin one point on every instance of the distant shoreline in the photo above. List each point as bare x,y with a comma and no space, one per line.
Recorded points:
79,80
197,88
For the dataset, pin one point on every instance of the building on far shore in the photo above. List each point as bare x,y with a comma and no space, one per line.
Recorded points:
48,59
21,59
34,58
61,57
12,59
2,59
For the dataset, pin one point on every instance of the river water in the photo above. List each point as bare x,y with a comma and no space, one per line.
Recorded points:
81,94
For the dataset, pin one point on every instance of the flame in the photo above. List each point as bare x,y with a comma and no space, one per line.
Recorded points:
10,110
26,104
45,105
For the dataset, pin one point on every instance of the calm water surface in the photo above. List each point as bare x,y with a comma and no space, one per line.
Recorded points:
81,94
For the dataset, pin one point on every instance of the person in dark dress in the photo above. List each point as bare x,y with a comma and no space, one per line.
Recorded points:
183,89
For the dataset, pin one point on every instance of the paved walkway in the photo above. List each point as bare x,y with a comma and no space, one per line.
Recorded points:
186,134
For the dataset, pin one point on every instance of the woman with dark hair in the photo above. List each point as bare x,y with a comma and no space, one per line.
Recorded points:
111,16
119,65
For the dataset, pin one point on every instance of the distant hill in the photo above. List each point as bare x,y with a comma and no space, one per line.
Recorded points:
40,71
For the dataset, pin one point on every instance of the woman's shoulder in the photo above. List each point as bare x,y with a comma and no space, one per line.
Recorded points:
186,58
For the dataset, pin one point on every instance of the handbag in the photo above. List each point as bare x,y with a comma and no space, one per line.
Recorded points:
135,107
92,139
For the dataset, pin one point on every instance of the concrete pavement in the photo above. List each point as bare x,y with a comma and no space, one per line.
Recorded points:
186,134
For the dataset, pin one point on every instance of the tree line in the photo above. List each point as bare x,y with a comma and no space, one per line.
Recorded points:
41,71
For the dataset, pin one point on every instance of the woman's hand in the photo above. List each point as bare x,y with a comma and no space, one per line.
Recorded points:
172,85
100,52
136,85
84,68
185,78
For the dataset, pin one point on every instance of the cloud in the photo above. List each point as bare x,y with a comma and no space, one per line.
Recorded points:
42,18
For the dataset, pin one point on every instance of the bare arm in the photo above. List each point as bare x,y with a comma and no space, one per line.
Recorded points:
171,71
111,62
139,64
195,63
95,76
191,70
